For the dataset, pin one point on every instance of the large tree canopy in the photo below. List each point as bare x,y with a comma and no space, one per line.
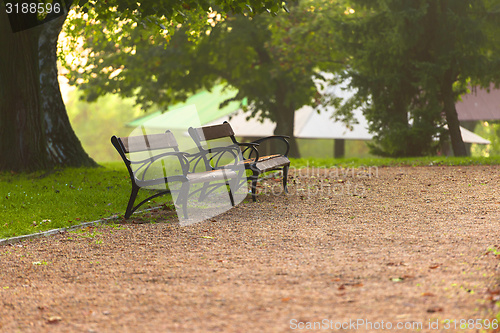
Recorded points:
272,61
411,60
34,129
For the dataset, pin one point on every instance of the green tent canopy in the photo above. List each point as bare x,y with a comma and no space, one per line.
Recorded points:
207,107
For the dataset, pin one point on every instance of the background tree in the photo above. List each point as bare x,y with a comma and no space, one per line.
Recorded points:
411,60
489,130
272,61
34,129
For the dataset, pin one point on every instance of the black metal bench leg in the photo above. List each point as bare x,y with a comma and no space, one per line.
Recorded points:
182,199
254,187
231,192
203,192
285,178
130,205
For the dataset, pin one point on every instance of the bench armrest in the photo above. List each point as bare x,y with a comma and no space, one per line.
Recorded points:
250,146
278,137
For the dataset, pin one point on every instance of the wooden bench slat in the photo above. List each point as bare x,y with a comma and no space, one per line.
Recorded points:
214,132
267,163
264,158
149,142
272,163
214,175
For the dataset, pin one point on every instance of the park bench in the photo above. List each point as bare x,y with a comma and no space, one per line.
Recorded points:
202,136
156,148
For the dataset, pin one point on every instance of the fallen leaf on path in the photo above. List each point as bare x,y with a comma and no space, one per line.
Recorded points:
493,295
54,319
428,294
396,264
435,309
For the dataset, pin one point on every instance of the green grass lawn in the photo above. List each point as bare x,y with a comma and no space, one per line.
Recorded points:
381,162
40,201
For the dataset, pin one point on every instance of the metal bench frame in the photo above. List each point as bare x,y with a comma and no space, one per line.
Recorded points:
188,163
258,165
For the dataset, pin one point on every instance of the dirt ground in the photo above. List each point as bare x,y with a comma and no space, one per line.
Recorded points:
364,250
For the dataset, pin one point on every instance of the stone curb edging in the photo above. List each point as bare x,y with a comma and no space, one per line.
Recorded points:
17,239
13,240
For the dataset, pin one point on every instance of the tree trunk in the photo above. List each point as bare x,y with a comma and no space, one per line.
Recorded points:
62,145
285,119
35,132
450,111
339,148
21,135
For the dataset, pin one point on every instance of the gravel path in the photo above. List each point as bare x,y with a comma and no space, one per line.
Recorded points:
364,248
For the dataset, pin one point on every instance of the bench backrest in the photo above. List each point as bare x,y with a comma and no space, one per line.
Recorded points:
133,144
142,143
214,132
221,133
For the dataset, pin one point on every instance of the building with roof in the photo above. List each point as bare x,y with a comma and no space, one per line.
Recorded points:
479,105
309,123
